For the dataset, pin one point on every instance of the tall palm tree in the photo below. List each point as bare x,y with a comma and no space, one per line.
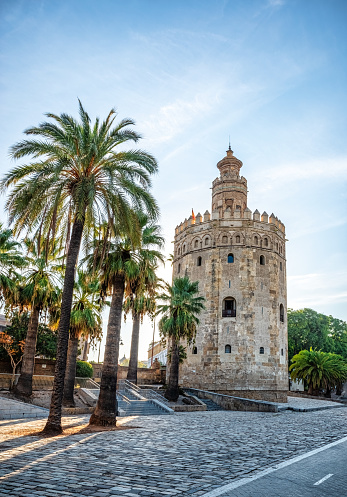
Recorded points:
114,264
77,177
179,321
39,291
142,286
85,322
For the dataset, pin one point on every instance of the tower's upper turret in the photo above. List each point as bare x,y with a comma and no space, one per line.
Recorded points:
229,191
229,166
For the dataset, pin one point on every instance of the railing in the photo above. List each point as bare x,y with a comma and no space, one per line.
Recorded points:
124,384
86,383
229,313
147,393
151,394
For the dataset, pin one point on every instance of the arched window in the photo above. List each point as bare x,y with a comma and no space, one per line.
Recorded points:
266,243
229,308
198,261
237,239
276,246
195,350
225,239
280,266
261,350
196,243
255,240
262,260
281,351
179,268
207,241
230,258
281,313
228,349
184,249
179,251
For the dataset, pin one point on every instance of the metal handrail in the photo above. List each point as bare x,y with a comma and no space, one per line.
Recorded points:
152,394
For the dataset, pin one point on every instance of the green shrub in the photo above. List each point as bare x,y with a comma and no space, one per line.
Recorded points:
84,369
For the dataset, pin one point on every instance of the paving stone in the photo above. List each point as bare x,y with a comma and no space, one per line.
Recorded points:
184,454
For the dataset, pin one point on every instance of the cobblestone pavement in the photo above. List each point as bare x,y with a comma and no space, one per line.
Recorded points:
187,454
305,403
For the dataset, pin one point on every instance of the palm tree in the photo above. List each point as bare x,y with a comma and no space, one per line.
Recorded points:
85,321
319,369
76,178
142,287
179,321
114,263
10,259
39,291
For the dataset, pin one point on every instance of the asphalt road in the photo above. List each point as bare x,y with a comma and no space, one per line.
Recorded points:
323,474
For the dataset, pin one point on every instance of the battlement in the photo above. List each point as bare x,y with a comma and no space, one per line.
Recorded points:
236,215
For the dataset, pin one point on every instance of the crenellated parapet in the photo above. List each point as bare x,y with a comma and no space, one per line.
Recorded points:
263,221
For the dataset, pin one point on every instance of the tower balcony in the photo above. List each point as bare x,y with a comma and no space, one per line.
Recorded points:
228,313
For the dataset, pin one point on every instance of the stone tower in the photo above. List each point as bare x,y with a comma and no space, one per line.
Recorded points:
239,260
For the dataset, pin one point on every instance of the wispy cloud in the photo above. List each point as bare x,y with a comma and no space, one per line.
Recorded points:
275,3
171,119
320,169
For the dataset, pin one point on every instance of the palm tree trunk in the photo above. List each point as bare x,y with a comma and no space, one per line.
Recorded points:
134,350
172,392
24,386
53,424
70,373
85,350
106,409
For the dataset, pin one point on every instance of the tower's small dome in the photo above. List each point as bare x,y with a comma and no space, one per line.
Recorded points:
229,163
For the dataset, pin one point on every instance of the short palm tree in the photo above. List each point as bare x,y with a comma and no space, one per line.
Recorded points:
79,175
142,286
39,291
181,307
85,322
319,369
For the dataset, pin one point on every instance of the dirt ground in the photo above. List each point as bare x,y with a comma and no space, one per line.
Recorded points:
68,429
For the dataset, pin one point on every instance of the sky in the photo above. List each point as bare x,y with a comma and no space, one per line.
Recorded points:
271,74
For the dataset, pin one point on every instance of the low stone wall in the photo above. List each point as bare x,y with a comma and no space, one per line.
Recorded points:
145,376
46,367
189,408
234,403
266,395
42,367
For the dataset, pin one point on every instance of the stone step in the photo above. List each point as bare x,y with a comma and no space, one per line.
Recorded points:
212,406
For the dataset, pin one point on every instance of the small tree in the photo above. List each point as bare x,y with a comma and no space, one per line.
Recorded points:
14,350
179,321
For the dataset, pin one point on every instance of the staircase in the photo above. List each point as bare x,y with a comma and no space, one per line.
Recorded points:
133,401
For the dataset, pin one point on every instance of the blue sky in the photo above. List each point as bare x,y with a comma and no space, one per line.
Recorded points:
269,73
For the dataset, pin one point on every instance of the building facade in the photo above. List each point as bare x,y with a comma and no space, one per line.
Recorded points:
157,351
239,259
